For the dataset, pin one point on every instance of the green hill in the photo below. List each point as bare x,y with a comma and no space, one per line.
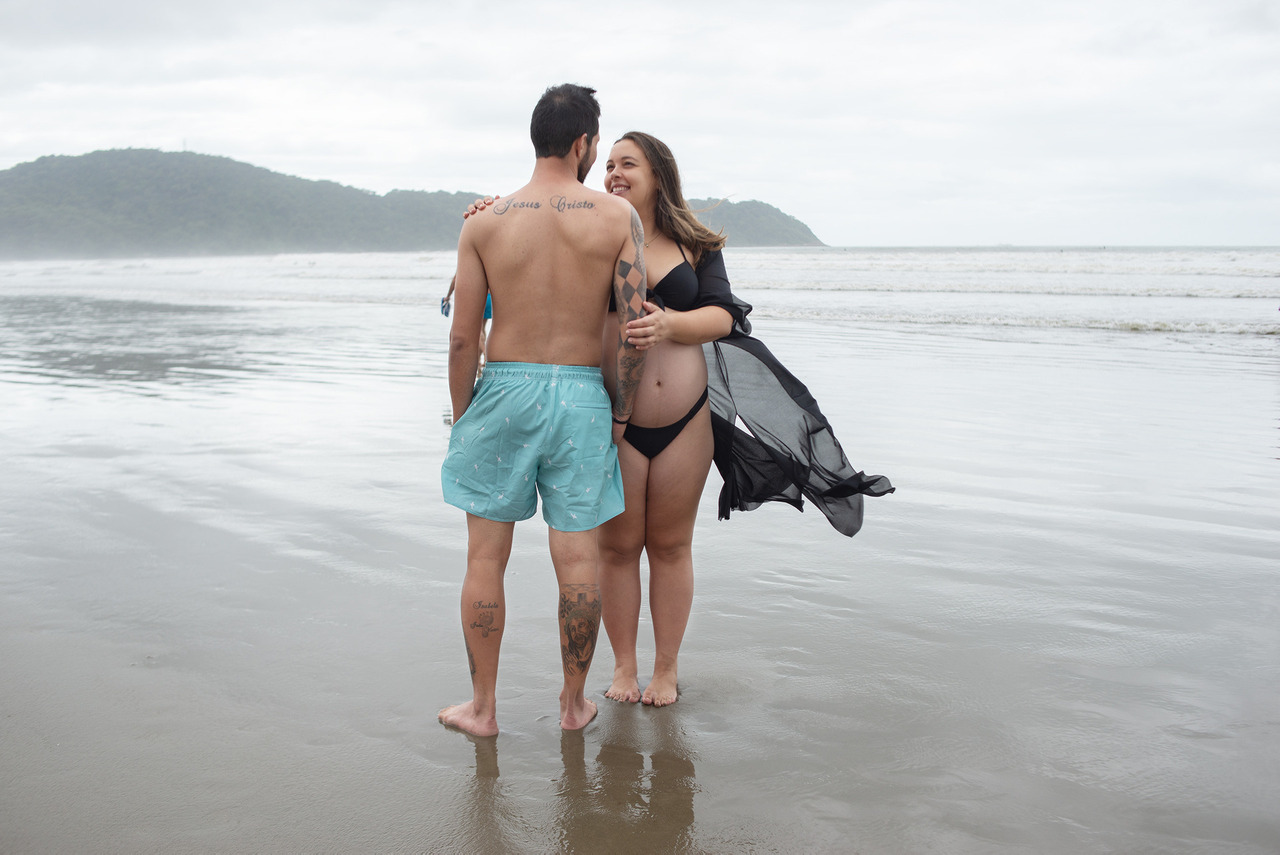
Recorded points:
141,202
753,223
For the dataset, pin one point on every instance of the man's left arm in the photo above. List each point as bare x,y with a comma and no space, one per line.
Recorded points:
629,292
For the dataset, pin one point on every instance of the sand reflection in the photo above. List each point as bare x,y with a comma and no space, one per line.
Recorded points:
637,794
488,817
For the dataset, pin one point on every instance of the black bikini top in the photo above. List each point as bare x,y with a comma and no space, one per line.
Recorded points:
678,289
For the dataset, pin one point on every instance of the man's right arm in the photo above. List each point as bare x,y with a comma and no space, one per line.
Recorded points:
629,293
470,288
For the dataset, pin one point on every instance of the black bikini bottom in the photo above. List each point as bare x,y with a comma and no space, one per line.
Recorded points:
652,441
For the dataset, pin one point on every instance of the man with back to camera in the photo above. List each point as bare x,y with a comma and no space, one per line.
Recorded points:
550,255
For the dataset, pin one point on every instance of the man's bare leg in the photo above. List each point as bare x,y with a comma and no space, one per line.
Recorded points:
575,556
484,617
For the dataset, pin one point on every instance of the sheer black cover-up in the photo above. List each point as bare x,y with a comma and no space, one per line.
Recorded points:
772,443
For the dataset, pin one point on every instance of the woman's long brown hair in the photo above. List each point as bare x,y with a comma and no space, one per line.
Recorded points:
671,213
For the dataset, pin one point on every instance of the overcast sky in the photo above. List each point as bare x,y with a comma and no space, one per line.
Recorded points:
890,123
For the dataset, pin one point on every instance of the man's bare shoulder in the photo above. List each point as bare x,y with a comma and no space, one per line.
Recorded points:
484,219
608,201
613,207
570,200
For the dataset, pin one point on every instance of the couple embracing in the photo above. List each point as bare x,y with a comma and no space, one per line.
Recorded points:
596,397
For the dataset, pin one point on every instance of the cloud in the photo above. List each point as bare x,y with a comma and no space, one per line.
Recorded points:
898,121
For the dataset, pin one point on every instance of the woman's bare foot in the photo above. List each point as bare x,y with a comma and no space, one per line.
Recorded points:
464,718
575,716
625,688
661,690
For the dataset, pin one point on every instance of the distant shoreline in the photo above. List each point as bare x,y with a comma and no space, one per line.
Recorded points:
154,204
743,249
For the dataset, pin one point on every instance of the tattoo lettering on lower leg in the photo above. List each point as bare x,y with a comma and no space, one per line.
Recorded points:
580,618
484,623
471,658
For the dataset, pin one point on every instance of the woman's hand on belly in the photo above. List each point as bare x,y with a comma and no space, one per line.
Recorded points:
653,328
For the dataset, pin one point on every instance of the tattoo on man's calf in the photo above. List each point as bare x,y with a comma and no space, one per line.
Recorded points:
580,618
484,623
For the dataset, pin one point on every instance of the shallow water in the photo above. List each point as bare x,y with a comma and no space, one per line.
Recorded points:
230,586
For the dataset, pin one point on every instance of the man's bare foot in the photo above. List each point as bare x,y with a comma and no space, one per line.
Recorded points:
661,690
464,718
625,688
577,716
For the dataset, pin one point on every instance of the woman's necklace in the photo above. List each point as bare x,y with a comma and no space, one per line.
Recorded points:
656,234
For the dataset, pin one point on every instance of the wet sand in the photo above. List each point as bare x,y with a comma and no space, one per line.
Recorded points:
230,607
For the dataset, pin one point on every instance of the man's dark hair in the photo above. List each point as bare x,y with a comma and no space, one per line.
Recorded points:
563,114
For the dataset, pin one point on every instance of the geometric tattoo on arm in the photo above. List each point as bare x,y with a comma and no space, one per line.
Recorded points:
630,289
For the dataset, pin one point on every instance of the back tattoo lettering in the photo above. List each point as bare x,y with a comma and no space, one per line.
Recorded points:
561,204
506,204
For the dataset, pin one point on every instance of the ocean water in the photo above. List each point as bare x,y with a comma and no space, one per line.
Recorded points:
1061,634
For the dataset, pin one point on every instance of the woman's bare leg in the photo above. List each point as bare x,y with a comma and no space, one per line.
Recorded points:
621,539
676,479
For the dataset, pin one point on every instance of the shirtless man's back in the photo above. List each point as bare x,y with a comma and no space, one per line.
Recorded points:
550,254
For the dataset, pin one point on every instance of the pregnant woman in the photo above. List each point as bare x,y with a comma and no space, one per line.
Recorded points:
668,446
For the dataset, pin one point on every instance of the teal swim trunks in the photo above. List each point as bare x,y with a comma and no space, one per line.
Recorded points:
531,430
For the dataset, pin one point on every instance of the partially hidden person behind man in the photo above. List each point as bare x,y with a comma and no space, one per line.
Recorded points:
541,421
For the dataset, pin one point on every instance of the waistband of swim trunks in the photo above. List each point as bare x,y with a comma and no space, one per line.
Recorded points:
541,371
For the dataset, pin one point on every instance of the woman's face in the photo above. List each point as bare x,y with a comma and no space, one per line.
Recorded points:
627,174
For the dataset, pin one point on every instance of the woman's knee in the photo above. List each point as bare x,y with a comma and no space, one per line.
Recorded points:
664,550
620,552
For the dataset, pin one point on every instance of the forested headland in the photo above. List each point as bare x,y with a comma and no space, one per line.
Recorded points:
142,202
